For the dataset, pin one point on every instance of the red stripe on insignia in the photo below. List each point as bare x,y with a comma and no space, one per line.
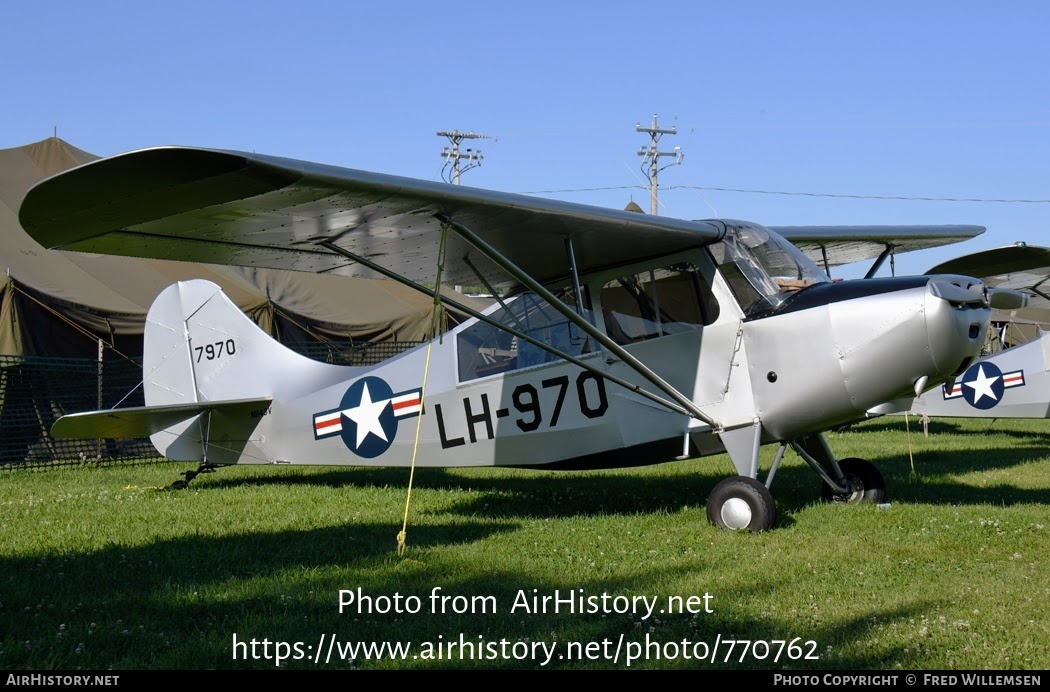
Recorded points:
407,403
330,423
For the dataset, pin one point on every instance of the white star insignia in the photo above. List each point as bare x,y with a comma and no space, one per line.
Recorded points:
366,415
982,386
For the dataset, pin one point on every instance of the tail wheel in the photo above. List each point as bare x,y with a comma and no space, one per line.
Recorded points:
865,483
741,504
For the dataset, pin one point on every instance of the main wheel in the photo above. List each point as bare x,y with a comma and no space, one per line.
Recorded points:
865,482
741,504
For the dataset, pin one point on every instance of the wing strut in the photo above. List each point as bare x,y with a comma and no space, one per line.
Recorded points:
575,275
510,330
585,326
494,293
877,264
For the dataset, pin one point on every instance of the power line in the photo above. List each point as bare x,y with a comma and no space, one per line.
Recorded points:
796,193
851,196
584,189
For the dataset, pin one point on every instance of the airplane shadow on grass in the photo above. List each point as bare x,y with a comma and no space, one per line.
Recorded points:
550,494
523,493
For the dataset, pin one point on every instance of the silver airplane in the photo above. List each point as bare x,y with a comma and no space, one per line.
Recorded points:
1013,379
616,339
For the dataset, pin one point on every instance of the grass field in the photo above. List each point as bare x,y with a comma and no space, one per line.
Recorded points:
103,568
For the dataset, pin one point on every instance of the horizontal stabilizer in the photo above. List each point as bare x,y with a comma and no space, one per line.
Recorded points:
143,421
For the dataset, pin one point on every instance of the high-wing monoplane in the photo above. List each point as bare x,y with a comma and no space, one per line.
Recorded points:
1012,379
616,339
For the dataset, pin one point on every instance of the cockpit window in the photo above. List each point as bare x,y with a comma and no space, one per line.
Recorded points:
485,350
762,269
656,303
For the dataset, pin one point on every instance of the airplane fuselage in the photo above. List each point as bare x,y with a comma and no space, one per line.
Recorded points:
797,361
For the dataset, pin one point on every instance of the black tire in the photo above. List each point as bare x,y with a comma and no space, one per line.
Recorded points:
741,504
865,481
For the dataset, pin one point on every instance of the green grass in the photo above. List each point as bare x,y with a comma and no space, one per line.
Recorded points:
103,568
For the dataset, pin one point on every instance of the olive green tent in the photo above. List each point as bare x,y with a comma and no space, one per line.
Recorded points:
71,323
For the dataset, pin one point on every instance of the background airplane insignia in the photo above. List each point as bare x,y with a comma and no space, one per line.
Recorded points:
367,416
983,385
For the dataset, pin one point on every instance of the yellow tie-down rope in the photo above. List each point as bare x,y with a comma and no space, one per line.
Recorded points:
907,434
436,322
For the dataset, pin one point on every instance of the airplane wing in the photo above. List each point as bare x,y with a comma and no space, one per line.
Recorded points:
1015,267
143,421
226,207
848,244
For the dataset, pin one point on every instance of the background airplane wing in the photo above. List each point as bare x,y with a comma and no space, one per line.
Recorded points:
226,207
1018,267
1015,267
848,244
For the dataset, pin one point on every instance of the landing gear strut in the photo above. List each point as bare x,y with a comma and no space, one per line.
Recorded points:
850,480
205,466
864,481
742,503
190,475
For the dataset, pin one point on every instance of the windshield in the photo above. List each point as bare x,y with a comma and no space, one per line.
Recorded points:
762,268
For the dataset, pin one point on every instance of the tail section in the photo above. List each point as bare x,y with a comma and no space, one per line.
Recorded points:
203,355
200,347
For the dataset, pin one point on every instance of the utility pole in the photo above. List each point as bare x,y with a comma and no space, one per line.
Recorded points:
651,156
453,155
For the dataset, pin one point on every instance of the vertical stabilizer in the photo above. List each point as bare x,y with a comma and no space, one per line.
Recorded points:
199,348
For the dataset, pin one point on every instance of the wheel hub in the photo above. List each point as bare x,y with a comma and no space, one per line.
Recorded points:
856,490
736,513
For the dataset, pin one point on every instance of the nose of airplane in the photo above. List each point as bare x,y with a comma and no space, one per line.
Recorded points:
842,348
957,318
900,338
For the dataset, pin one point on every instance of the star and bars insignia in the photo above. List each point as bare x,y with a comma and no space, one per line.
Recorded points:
368,415
983,384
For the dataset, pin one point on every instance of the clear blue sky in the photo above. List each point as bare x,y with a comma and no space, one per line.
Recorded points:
909,99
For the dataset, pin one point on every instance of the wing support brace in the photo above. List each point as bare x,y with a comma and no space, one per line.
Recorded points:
1035,289
510,330
494,293
584,326
877,264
